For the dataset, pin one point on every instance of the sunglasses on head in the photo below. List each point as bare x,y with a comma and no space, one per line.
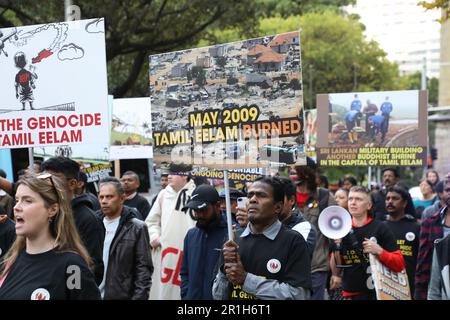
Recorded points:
49,176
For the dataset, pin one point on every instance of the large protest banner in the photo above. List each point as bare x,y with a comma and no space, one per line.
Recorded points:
131,128
386,128
54,87
234,105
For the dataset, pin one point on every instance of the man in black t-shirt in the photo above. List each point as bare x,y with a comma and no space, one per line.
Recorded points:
405,228
130,182
368,236
391,178
7,232
267,261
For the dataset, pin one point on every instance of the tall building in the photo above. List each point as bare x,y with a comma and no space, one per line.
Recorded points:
442,164
407,32
444,83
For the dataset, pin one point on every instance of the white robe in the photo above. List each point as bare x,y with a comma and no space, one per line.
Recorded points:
171,226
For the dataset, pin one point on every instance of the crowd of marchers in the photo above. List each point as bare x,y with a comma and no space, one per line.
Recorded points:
60,241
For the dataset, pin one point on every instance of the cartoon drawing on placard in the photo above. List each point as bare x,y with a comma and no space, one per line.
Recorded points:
54,85
24,82
45,46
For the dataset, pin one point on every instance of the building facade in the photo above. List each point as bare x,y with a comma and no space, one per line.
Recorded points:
407,32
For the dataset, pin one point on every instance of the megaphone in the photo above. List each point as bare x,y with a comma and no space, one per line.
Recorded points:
335,222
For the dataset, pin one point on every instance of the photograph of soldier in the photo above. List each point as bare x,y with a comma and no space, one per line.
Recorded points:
377,123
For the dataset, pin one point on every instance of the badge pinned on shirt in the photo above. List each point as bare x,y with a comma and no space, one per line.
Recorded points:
40,294
410,236
273,265
313,204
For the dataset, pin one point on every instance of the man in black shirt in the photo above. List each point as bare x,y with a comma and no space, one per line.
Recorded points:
268,260
90,228
7,232
126,251
293,218
82,189
405,228
391,178
130,182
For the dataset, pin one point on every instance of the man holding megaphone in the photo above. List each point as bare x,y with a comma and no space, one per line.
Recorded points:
367,236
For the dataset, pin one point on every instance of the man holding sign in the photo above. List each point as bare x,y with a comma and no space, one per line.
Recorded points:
268,260
405,228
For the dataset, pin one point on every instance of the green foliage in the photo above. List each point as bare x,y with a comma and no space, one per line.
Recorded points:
295,84
287,8
438,4
413,82
135,29
199,74
221,61
335,53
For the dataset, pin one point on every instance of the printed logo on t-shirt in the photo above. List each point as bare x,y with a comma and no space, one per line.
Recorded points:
273,265
40,294
410,236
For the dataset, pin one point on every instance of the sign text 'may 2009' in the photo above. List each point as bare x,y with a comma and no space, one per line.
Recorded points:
233,105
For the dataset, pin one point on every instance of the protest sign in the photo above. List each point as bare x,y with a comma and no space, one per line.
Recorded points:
131,129
234,105
389,285
54,87
386,128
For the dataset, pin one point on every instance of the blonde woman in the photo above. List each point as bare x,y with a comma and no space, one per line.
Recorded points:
47,260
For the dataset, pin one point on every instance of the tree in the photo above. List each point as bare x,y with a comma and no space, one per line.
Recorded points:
136,29
199,74
287,8
334,48
413,82
295,84
438,4
221,61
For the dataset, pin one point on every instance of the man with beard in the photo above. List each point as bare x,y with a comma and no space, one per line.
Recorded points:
131,183
390,178
268,260
200,252
405,228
